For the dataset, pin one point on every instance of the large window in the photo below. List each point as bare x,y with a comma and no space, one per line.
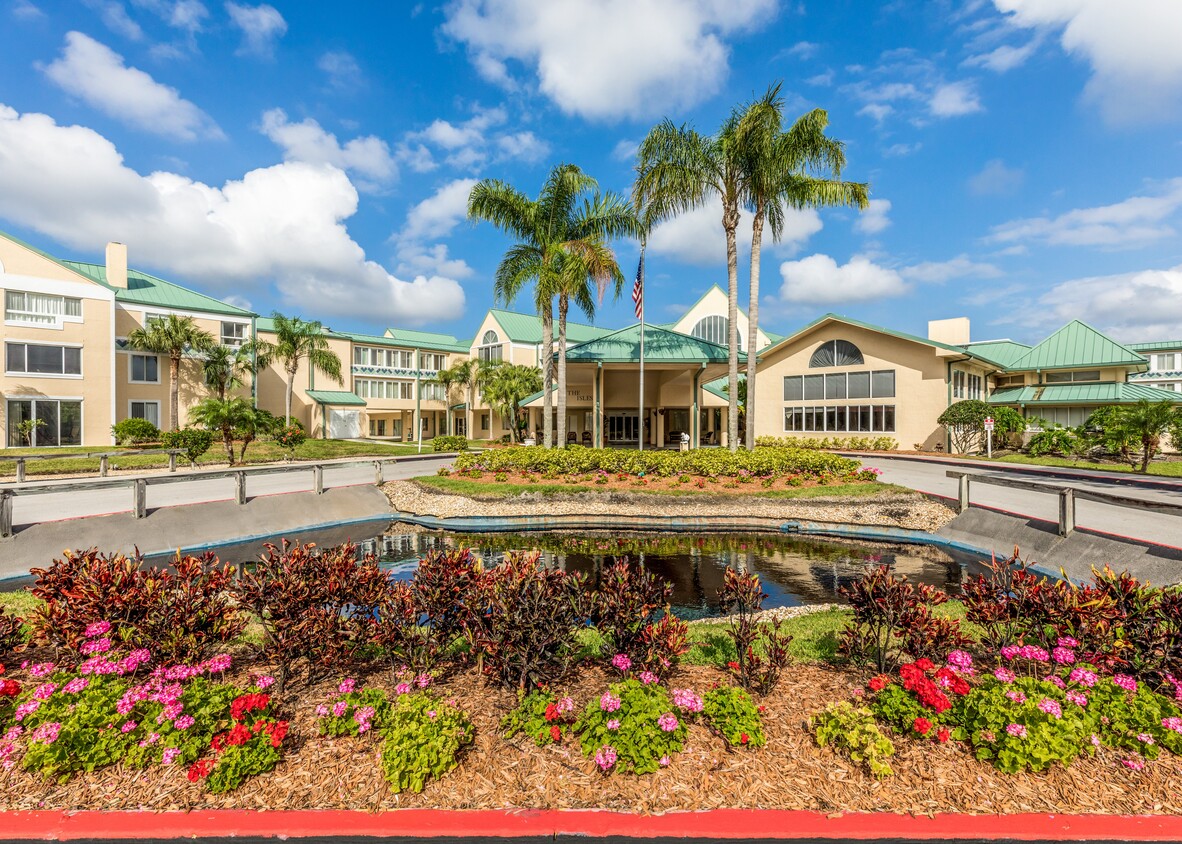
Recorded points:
855,418
432,392
40,308
233,333
836,353
383,388
34,359
879,384
387,358
1069,377
713,329
431,362
965,386
143,369
490,347
58,422
149,410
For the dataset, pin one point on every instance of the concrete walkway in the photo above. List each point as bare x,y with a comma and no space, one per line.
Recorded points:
930,477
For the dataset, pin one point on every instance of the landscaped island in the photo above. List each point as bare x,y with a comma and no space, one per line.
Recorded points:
311,680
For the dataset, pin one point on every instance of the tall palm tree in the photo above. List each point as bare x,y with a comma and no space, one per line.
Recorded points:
1147,422
297,340
447,378
172,336
569,218
225,368
505,387
800,168
679,169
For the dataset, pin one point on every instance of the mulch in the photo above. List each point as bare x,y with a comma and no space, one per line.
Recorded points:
613,483
791,772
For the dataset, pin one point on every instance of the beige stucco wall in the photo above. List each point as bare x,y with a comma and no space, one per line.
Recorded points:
714,303
272,384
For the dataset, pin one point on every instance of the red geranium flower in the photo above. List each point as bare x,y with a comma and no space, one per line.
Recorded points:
744,738
556,733
877,684
200,770
733,666
248,703
924,664
943,735
551,712
922,726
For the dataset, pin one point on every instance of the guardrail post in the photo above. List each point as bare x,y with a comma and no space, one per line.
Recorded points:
240,486
172,461
139,506
318,480
6,513
20,470
1066,511
377,472
962,494
103,465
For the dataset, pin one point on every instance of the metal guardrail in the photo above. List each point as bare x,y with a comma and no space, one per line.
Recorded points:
1067,496
103,456
139,486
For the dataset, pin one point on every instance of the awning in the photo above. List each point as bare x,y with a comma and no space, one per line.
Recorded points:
336,397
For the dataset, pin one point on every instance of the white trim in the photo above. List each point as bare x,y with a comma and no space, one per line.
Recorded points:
35,398
58,287
16,341
131,355
144,310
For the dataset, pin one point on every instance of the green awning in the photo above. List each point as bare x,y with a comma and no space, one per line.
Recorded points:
1121,392
336,397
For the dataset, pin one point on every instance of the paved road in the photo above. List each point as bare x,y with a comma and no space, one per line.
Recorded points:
30,509
1158,528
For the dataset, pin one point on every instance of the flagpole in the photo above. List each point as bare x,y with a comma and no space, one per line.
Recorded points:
640,418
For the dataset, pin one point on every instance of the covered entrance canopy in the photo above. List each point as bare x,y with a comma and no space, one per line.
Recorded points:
340,413
603,390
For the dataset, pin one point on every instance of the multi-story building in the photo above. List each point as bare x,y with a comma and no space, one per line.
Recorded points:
1165,364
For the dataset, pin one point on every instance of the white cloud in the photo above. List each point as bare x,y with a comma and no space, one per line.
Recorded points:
1005,57
823,80
1132,222
803,50
262,26
114,15
186,15
342,70
471,144
954,99
368,157
900,150
1131,46
522,146
438,215
818,279
996,179
625,150
281,225
938,272
1143,305
611,59
879,111
874,219
97,75
24,10
696,237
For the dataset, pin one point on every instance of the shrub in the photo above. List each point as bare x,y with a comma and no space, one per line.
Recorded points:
135,431
965,421
352,713
397,629
314,606
290,437
1008,424
194,442
853,731
761,649
1062,441
893,616
181,614
543,716
837,443
664,642
523,623
625,603
422,738
12,634
251,746
450,443
732,714
632,727
988,600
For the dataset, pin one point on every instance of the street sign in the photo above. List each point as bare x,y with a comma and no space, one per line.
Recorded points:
989,436
988,423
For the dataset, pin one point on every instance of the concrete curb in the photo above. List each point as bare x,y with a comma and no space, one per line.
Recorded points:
718,824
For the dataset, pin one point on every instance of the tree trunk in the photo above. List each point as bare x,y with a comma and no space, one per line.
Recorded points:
174,391
548,375
753,325
228,440
245,442
291,374
730,222
563,306
470,410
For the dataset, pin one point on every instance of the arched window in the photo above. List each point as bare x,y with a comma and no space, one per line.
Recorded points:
713,329
836,353
490,346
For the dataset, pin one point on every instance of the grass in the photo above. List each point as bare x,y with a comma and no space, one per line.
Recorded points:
256,452
1162,468
483,490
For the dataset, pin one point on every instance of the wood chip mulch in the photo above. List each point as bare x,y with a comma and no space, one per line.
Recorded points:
791,772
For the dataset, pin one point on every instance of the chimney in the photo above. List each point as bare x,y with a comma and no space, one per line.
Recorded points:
954,332
117,265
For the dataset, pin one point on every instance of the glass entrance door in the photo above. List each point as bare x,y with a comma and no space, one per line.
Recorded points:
623,427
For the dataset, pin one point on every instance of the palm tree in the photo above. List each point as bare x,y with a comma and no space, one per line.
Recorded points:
564,221
172,336
800,168
297,340
224,415
504,388
1148,421
226,368
447,378
679,169
462,373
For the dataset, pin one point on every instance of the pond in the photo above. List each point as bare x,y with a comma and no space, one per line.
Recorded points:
794,571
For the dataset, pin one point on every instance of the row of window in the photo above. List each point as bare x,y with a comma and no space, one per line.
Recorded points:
877,384
38,359
1072,377
386,388
858,418
966,386
397,358
40,308
1168,362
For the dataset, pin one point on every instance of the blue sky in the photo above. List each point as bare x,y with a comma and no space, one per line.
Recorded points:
1023,155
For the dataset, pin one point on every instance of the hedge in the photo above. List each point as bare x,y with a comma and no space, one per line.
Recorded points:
450,443
847,443
713,462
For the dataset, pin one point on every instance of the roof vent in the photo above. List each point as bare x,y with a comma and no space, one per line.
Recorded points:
117,265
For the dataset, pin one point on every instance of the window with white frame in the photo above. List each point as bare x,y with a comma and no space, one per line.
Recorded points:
149,410
383,388
490,347
836,353
153,316
713,329
878,384
28,308
975,382
431,362
143,369
1073,377
37,359
54,422
233,333
432,392
855,418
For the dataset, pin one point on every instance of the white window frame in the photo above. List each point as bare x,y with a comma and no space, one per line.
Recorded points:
236,342
156,402
40,398
70,375
51,321
131,379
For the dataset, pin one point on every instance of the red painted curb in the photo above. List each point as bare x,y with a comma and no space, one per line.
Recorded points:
716,824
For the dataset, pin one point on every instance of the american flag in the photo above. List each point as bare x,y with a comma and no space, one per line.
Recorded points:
638,288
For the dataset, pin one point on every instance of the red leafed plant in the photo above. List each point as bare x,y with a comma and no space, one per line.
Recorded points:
761,649
624,605
11,635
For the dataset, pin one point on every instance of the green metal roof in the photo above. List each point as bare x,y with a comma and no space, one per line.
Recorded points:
150,291
1004,352
660,346
527,328
426,340
1077,345
1109,392
337,397
1157,346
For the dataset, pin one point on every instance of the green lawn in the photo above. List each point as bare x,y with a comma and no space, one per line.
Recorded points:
1168,469
256,452
482,490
